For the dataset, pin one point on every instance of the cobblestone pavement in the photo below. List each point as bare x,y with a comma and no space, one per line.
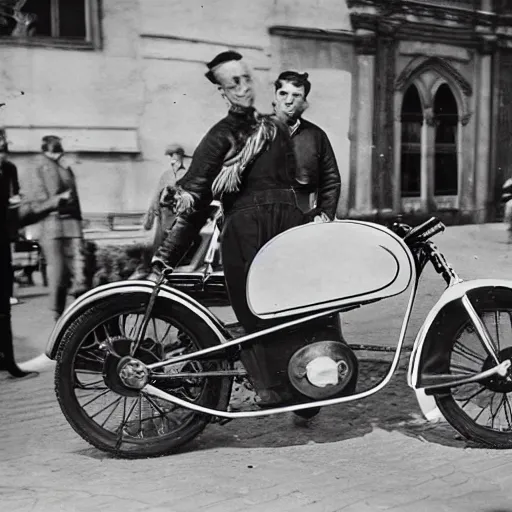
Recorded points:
371,455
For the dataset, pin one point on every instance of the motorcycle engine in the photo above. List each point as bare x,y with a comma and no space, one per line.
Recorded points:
323,369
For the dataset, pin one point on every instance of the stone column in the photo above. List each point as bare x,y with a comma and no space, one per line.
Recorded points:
362,204
483,136
428,152
383,123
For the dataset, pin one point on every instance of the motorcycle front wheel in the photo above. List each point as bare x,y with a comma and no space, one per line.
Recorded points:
481,411
124,421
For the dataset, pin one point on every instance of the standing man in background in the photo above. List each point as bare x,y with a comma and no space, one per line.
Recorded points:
13,186
53,182
7,182
319,183
318,179
157,214
164,217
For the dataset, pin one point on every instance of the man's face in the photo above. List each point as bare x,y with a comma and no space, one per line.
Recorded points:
236,83
290,101
176,159
55,151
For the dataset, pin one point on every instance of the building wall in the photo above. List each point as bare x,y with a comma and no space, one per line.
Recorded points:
91,98
118,107
179,37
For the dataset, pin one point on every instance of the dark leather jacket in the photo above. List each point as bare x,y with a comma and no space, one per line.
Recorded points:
317,170
224,140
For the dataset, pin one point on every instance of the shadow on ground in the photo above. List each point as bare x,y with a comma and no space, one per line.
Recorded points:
394,408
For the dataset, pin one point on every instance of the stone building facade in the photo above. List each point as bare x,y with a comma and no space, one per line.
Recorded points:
414,95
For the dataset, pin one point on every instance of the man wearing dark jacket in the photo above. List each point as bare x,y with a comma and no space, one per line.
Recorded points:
319,183
317,175
247,162
12,217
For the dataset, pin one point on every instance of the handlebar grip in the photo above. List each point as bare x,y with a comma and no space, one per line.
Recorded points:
424,231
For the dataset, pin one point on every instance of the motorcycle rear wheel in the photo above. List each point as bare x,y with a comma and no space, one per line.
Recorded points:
157,428
481,412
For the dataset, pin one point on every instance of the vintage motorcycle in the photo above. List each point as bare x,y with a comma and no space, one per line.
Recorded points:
142,367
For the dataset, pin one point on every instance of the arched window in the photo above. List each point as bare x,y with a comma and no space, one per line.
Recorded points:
446,122
412,120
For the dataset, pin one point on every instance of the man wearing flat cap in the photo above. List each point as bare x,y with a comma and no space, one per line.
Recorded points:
246,161
163,216
52,182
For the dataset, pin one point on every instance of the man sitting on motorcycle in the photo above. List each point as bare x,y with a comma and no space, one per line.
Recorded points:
246,161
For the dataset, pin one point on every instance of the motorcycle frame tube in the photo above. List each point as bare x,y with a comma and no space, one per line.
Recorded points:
454,292
119,288
153,391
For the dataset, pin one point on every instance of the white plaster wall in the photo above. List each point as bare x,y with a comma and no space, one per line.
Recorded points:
325,14
150,76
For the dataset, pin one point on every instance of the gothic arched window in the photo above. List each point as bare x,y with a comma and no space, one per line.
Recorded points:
412,120
446,122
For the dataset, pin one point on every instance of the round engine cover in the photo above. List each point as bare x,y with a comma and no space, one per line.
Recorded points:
322,370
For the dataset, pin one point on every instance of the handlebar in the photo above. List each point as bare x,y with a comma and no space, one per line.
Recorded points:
419,233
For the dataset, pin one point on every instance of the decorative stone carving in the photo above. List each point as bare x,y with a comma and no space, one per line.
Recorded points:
366,44
428,115
488,44
464,119
446,73
419,65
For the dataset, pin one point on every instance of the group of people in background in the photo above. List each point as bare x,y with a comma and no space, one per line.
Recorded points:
48,197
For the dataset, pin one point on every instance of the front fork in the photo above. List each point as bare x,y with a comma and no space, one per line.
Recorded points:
149,309
428,251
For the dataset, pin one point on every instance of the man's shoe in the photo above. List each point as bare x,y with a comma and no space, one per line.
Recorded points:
17,373
24,375
304,417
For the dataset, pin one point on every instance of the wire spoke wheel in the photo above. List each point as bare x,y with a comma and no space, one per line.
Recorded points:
481,411
121,419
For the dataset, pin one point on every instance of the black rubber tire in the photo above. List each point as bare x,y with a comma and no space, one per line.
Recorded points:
91,431
499,300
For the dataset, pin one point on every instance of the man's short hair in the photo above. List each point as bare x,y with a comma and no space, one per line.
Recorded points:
297,79
221,58
4,145
49,142
174,148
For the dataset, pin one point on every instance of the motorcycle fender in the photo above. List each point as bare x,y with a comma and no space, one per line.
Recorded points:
96,295
426,357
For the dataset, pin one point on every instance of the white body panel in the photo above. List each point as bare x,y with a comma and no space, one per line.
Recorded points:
452,293
318,266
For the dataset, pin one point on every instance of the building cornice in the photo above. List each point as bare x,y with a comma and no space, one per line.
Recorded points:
429,22
342,36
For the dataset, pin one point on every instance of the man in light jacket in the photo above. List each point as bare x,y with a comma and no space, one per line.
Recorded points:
52,182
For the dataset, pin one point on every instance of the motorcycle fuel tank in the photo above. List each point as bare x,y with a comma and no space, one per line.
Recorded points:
324,265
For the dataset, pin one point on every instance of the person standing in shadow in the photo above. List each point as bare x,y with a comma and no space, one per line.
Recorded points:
7,178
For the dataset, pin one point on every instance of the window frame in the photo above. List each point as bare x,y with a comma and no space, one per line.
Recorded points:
93,36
